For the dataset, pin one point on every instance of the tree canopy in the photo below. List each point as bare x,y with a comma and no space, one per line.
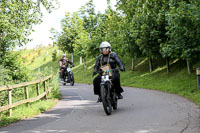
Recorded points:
153,29
17,18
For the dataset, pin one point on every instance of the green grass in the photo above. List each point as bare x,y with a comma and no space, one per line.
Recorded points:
178,81
23,112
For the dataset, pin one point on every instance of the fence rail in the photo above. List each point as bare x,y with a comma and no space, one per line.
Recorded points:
27,100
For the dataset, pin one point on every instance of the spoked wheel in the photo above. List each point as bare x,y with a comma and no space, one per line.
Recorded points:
106,101
71,79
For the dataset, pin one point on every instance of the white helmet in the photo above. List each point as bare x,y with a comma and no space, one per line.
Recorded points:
64,55
105,45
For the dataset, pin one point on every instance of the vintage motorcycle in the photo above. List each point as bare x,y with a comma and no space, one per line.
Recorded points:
108,94
68,76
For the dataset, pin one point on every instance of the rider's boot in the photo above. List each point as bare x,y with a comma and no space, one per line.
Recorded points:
99,99
120,96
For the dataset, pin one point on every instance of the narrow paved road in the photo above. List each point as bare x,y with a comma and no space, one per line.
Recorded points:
141,111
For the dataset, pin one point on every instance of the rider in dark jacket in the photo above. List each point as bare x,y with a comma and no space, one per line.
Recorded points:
63,63
113,60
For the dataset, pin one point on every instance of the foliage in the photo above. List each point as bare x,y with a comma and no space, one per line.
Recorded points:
12,72
54,35
16,21
167,28
12,62
183,31
153,29
4,77
70,26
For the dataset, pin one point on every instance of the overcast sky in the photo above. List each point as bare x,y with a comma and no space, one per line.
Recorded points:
42,31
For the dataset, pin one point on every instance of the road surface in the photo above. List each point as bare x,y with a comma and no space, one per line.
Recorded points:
141,111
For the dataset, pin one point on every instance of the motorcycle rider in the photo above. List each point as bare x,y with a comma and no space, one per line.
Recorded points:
113,59
63,63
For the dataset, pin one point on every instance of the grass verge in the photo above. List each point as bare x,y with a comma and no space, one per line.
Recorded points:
178,81
24,112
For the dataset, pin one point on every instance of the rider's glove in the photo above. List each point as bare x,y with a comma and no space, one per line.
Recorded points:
94,73
122,69
72,65
101,71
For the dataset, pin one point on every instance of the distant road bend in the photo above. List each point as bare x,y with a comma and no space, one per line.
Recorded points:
141,111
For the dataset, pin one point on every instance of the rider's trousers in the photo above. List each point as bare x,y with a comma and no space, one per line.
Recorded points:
115,81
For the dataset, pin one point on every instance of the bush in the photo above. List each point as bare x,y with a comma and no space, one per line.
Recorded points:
13,65
4,77
12,72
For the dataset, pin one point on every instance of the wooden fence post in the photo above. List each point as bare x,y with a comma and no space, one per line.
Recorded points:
27,100
38,88
26,94
49,81
10,101
45,89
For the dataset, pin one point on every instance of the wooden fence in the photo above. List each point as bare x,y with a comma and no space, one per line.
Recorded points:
27,100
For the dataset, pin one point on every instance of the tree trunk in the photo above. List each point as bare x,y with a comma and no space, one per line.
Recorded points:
0,45
189,67
72,57
133,65
167,64
85,65
81,60
150,64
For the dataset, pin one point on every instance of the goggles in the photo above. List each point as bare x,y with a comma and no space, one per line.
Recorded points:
105,49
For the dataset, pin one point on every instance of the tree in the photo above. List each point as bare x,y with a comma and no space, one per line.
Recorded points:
69,33
98,35
183,32
147,25
81,46
55,35
16,21
127,11
87,13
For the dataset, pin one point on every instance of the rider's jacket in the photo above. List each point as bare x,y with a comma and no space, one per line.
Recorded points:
114,60
65,62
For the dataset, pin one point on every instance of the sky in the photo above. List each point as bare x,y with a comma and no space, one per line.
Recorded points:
52,20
